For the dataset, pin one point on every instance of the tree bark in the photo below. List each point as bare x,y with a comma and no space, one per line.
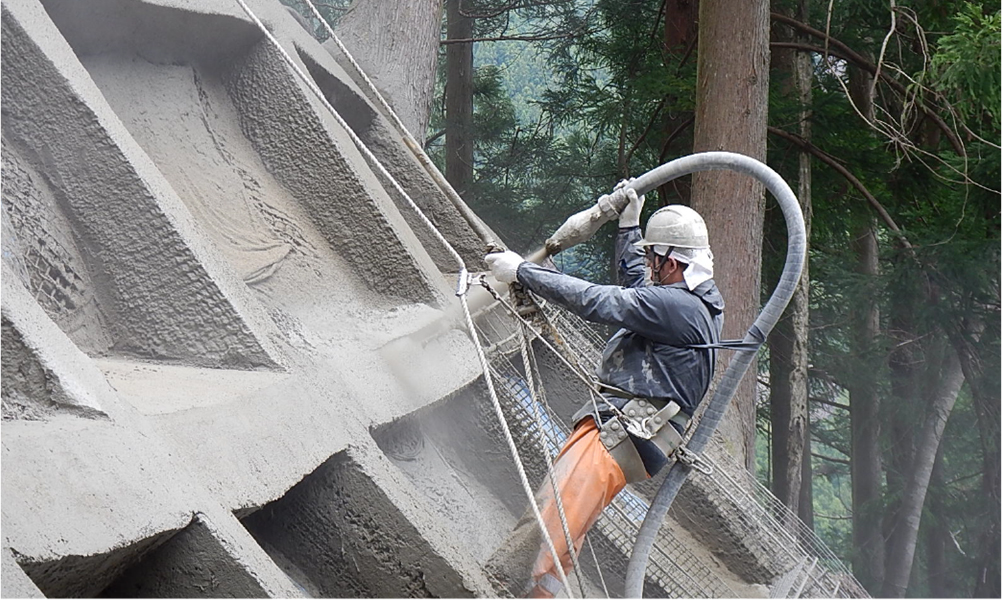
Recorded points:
937,534
788,341
977,347
680,32
680,25
731,114
867,536
864,418
459,100
902,413
805,509
396,44
942,387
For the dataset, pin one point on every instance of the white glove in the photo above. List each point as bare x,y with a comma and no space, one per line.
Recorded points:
504,265
630,217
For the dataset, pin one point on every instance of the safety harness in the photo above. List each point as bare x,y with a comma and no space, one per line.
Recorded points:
649,419
643,418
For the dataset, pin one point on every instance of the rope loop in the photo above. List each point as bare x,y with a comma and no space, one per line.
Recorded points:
463,282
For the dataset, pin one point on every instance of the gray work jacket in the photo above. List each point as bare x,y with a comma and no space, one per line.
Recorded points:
648,356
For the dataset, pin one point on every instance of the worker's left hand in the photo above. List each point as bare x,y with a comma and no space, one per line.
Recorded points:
504,265
630,217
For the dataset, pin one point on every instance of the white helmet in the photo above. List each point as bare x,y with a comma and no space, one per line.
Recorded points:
675,226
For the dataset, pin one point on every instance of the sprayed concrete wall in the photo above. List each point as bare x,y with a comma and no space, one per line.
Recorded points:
200,272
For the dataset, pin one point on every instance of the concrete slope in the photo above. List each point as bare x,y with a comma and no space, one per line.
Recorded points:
202,279
200,271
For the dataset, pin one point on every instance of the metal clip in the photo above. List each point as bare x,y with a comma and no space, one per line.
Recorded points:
463,285
692,460
640,429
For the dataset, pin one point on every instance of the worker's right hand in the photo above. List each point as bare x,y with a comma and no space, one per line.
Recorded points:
504,265
630,216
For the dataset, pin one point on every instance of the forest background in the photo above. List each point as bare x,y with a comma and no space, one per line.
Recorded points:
875,411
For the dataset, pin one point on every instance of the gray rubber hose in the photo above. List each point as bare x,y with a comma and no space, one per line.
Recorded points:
795,257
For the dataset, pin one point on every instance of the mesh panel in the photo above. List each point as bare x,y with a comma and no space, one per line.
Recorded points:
797,562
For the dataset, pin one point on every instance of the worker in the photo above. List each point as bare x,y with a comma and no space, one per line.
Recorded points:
653,373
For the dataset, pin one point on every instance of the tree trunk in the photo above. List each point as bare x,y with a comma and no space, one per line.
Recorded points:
679,36
865,467
805,509
458,100
864,419
902,412
942,387
788,341
977,347
396,44
680,25
937,534
731,114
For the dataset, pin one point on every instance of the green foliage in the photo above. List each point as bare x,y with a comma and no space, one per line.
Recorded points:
561,121
967,67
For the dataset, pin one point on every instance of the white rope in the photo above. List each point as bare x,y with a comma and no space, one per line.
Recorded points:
528,364
511,444
485,365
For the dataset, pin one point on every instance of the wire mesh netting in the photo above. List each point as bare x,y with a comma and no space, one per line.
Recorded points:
794,562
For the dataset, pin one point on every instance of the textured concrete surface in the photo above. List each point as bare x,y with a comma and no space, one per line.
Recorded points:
192,563
42,373
387,146
164,293
15,583
192,312
205,284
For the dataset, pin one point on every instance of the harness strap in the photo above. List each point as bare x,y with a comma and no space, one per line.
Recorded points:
757,339
641,418
615,391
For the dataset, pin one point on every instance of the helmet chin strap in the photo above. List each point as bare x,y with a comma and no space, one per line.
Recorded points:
656,270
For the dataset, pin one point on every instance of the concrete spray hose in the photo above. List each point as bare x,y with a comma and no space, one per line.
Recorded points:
795,257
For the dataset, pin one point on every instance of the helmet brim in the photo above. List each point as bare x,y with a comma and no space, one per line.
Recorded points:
645,244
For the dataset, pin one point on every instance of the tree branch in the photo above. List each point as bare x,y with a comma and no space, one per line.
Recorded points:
833,517
512,38
846,53
856,183
428,142
840,461
502,9
674,134
844,407
650,124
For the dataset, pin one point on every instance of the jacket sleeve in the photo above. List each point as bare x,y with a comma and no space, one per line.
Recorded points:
630,270
644,310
